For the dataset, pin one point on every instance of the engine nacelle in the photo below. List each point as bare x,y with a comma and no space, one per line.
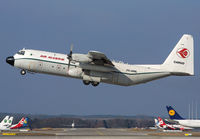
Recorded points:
81,58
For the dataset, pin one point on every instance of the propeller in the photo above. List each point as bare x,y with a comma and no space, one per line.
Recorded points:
69,56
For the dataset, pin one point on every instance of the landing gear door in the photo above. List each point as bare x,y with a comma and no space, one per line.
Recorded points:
91,78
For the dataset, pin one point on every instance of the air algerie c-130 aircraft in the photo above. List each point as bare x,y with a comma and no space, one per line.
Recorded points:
95,67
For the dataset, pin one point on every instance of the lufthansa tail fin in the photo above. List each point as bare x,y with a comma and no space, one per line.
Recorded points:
181,59
173,114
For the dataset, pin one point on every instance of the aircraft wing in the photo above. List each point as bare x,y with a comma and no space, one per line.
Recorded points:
99,58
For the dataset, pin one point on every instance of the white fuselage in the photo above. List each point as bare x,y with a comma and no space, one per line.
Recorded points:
189,123
57,64
5,126
94,67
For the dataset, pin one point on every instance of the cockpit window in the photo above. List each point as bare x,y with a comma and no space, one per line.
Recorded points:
21,52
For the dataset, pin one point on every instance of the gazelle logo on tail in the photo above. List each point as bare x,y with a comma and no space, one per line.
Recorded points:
5,121
183,52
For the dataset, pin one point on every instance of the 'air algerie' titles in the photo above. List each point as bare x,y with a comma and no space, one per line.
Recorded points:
50,57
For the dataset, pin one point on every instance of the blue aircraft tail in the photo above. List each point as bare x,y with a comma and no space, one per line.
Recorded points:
173,114
25,124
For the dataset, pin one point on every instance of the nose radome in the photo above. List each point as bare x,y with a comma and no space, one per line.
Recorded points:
10,60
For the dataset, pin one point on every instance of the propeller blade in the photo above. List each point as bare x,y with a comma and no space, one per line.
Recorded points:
71,48
70,55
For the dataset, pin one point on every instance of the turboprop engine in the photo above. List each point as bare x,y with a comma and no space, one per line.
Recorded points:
81,58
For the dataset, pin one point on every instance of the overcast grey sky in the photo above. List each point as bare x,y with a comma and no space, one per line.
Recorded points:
136,32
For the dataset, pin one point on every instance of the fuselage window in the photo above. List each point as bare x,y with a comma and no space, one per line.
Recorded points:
21,52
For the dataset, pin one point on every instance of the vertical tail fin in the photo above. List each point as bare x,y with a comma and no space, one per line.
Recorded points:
5,121
19,124
25,123
173,114
181,59
21,121
156,123
161,122
10,120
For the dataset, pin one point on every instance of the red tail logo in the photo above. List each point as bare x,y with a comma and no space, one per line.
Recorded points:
183,52
162,123
18,125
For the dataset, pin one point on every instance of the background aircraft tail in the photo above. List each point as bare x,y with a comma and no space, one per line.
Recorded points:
25,123
19,124
161,122
5,121
181,59
10,120
173,114
157,124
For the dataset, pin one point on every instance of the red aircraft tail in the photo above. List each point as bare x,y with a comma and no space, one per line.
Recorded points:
161,122
19,124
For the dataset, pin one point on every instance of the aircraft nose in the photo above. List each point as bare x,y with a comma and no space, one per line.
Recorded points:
10,60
